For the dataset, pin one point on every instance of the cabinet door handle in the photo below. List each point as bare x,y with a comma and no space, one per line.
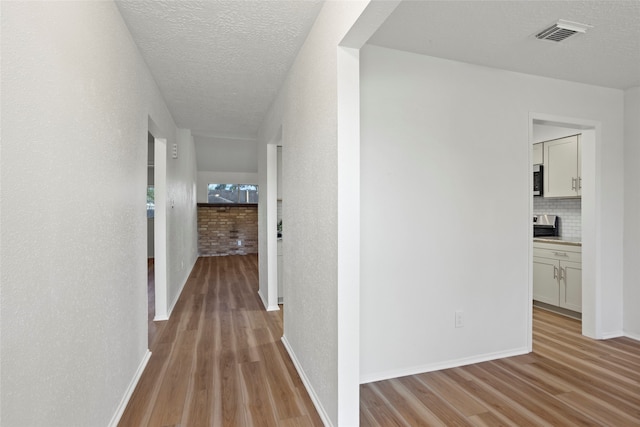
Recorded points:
562,254
562,275
580,183
573,183
555,272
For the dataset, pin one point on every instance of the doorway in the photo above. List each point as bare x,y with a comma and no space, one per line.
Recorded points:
280,230
557,220
151,291
588,131
156,283
274,228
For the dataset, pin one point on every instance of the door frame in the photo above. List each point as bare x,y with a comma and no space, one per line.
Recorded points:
272,226
591,286
160,222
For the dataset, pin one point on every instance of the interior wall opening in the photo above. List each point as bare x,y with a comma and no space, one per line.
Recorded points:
151,291
560,256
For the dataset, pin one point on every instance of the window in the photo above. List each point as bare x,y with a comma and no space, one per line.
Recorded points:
232,193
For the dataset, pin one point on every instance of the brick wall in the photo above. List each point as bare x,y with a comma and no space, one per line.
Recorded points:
220,228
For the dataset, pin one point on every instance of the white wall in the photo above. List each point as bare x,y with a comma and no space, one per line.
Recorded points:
225,160
632,212
306,111
76,101
226,154
182,215
445,153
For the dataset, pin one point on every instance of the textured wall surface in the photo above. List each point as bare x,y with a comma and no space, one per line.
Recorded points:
220,228
182,215
454,255
76,102
306,109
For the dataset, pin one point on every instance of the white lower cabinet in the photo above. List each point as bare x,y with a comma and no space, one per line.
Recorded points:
557,275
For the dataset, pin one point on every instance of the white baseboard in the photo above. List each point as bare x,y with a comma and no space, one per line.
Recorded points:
632,336
264,301
175,300
610,335
421,369
267,306
307,384
132,386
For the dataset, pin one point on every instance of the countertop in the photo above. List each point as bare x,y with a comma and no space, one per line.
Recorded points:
572,241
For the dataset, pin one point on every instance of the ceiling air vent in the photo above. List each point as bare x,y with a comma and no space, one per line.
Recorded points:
561,30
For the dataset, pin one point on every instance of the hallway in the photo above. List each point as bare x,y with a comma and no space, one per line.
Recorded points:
219,361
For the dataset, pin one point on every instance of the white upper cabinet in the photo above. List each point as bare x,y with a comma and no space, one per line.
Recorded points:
562,167
537,154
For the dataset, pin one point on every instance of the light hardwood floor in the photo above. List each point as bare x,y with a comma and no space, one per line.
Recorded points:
568,380
219,362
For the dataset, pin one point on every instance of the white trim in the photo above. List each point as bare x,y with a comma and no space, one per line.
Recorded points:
184,282
415,370
160,226
307,384
267,306
127,395
272,225
348,236
264,302
632,336
609,335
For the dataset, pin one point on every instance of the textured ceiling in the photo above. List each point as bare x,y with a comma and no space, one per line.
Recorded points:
219,64
501,34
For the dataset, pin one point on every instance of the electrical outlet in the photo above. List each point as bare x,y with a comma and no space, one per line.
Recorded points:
239,242
459,319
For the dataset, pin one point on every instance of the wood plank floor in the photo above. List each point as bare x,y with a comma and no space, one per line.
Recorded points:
218,361
568,380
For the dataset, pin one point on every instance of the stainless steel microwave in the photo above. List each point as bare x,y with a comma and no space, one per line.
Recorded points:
537,180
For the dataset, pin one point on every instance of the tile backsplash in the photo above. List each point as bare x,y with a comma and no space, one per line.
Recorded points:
569,212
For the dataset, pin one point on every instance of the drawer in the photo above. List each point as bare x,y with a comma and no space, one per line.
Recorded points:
560,254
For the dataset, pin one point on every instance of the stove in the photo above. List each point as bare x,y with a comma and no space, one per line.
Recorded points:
545,225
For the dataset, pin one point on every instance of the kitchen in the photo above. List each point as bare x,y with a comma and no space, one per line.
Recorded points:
557,220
